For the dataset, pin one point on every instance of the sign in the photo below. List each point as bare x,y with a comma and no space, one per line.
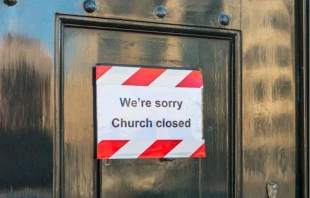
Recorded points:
148,112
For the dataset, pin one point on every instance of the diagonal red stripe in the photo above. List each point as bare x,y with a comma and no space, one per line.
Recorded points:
144,76
100,70
200,152
106,148
193,80
159,149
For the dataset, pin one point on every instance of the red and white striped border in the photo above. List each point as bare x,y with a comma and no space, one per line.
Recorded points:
153,77
125,149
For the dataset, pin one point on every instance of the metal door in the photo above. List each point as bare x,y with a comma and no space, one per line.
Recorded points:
251,55
83,47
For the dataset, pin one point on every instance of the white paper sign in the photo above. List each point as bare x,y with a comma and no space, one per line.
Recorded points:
150,107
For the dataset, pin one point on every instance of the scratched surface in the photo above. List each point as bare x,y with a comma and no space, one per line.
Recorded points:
144,178
188,12
30,128
26,100
269,134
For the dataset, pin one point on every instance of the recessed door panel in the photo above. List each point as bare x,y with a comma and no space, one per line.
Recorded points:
84,177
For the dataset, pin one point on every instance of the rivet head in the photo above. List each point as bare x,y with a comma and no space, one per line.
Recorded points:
107,162
223,19
161,12
272,190
90,6
10,2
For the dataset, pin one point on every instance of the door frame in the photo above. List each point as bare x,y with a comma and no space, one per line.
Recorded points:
235,135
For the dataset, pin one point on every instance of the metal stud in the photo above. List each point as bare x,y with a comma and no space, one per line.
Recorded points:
223,19
272,190
10,2
107,162
161,12
90,6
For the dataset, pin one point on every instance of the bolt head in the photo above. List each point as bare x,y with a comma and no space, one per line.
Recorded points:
11,2
90,6
223,19
161,12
